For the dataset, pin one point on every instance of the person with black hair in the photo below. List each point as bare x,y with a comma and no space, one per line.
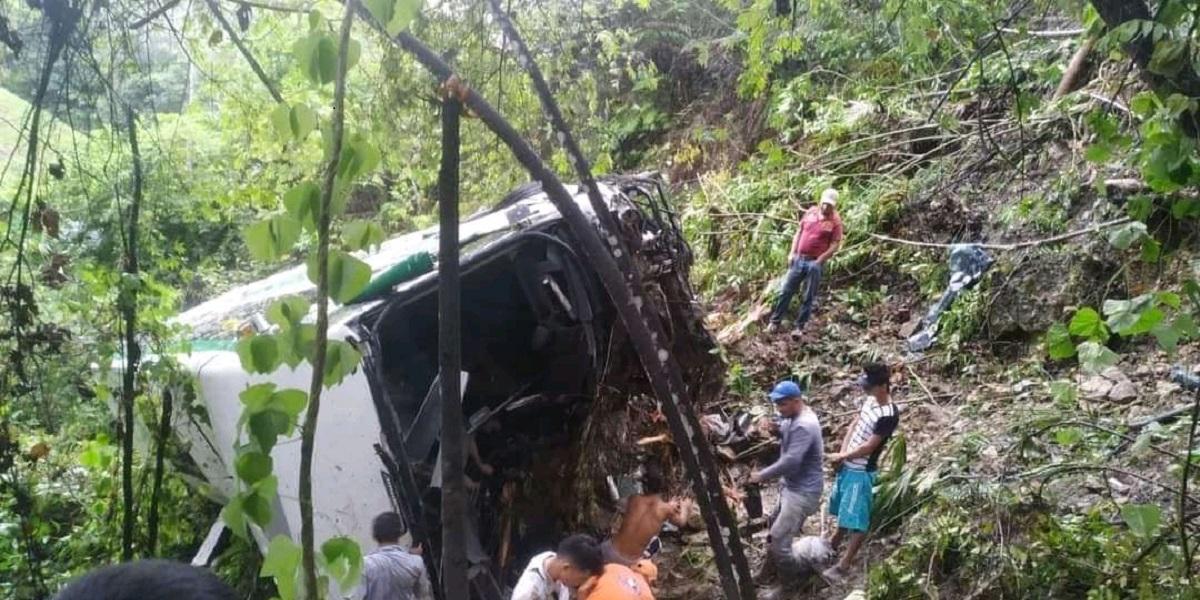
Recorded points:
857,463
392,572
556,575
148,580
644,516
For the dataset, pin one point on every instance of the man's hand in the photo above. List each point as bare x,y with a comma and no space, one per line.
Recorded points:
756,477
486,469
769,426
837,458
415,549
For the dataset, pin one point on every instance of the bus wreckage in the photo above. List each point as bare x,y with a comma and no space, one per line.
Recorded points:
549,379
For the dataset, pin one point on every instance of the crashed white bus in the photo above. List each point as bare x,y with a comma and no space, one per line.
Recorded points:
542,351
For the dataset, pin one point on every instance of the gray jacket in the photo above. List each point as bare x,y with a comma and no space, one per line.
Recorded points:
801,454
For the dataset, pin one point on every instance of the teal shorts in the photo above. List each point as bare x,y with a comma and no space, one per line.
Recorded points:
850,501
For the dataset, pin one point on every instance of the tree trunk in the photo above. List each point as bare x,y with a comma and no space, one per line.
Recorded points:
454,493
164,433
308,432
128,302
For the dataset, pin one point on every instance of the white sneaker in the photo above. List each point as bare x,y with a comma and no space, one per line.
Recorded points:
834,575
773,327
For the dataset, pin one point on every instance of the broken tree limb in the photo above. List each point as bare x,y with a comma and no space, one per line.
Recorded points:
1014,246
1076,68
661,368
453,442
1049,34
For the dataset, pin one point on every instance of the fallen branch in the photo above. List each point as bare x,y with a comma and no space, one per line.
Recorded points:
1049,34
1014,246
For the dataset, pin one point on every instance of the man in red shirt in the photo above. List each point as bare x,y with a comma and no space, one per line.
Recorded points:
819,236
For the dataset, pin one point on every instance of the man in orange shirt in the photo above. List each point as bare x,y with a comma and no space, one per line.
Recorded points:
819,237
618,582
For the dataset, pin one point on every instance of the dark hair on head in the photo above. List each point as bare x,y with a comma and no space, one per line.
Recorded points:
388,527
878,374
583,551
148,580
653,481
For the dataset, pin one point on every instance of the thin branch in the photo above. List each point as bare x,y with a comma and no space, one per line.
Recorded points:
154,14
321,344
296,10
241,46
1184,543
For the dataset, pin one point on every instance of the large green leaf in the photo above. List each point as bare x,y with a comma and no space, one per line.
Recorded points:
282,562
341,359
1142,519
343,561
234,518
293,123
290,402
296,343
253,466
1095,357
1058,342
1132,317
406,12
358,158
256,397
1086,323
362,235
303,202
1169,57
259,354
317,55
1124,236
288,311
266,426
347,275
271,238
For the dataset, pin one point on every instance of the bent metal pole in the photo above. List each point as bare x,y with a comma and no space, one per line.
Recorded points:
660,367
454,493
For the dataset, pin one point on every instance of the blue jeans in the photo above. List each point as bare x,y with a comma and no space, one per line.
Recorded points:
803,271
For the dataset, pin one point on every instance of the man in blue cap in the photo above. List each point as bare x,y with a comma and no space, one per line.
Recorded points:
800,466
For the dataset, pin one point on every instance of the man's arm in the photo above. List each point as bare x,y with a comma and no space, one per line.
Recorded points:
828,253
884,427
865,449
792,456
795,253
679,511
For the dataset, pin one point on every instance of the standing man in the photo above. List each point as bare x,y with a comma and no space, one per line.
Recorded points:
557,575
800,467
392,572
857,464
819,237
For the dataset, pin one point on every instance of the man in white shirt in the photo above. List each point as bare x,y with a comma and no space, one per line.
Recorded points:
555,575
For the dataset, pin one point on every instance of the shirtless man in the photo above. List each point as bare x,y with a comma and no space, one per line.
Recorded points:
644,518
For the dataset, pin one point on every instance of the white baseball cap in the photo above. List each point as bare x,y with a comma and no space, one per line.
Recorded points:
829,196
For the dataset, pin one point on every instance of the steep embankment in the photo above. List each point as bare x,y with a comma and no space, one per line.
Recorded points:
1018,475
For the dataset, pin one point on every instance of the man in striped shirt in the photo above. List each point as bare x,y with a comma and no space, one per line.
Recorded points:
857,463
